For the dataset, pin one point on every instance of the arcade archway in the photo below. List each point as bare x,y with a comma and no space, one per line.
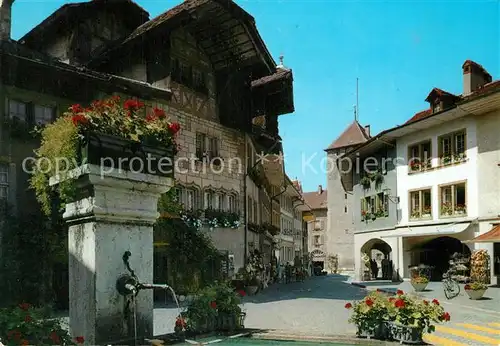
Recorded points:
437,253
318,261
377,258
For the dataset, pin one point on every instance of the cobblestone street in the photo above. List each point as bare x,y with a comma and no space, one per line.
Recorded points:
316,307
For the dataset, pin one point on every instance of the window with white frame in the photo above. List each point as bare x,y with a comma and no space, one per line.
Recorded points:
453,200
420,156
43,115
452,147
4,181
18,110
420,204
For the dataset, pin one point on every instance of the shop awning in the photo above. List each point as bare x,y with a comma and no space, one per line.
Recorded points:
439,230
492,236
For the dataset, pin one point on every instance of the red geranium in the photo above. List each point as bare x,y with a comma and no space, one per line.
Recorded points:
159,113
133,105
242,293
446,317
467,287
55,338
399,292
179,322
435,301
369,302
76,108
24,306
400,303
348,306
174,128
213,305
80,339
79,120
426,302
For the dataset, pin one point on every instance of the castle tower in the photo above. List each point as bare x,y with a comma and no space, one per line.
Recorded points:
340,238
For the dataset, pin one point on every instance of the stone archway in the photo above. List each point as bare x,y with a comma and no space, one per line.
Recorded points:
318,261
379,255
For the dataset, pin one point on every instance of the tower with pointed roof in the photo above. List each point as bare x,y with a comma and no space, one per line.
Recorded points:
340,238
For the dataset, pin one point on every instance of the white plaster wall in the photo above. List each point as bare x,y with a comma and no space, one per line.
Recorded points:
433,178
488,171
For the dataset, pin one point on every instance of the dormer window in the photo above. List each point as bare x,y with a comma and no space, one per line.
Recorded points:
437,106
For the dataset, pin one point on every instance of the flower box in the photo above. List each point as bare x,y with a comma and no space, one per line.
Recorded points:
120,153
230,321
405,334
380,332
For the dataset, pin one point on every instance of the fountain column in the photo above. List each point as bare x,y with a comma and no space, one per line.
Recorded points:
114,213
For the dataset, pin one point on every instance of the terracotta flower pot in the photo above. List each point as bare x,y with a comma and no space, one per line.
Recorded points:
475,294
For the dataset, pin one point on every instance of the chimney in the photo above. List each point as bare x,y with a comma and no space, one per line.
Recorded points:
5,19
367,130
320,190
474,77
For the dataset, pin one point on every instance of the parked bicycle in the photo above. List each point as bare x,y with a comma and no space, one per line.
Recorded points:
450,285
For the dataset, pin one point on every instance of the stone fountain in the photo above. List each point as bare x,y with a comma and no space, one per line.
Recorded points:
114,215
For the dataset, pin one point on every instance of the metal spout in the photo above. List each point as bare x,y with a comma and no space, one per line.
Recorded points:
152,286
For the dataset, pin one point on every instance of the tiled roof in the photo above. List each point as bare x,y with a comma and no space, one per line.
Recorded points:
281,73
491,236
352,135
420,115
489,87
316,200
439,93
184,6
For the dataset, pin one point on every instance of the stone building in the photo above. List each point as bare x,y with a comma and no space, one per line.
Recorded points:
339,235
317,226
203,62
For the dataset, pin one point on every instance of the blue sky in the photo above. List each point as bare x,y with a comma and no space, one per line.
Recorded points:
399,50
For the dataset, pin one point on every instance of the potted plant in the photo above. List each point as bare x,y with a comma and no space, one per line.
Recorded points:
201,314
26,325
475,290
369,315
419,282
366,182
409,318
109,133
229,313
